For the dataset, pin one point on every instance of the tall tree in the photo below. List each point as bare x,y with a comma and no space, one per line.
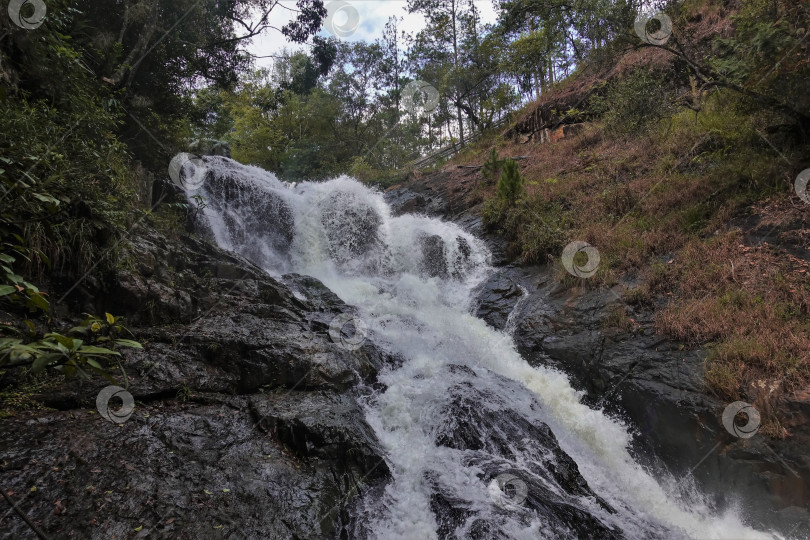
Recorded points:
448,22
154,52
391,63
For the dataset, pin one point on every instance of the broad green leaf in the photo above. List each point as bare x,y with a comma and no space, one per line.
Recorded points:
128,343
90,349
110,318
62,340
93,363
56,347
46,198
30,286
41,363
38,301
19,348
7,289
100,370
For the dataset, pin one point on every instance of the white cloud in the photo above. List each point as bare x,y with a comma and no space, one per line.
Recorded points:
371,16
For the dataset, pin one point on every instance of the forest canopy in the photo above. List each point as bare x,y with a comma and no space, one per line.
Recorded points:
101,96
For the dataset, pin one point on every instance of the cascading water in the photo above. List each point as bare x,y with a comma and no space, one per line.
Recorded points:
464,411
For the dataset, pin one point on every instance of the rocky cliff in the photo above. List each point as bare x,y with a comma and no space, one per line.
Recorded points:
246,421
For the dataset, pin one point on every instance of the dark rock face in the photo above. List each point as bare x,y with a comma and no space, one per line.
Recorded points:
494,439
496,299
352,227
462,264
257,218
422,198
246,423
174,470
324,425
434,257
429,196
434,261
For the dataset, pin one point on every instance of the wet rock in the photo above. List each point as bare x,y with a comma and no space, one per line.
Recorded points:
257,218
434,261
462,264
246,420
493,439
352,227
174,470
657,385
322,424
496,299
421,198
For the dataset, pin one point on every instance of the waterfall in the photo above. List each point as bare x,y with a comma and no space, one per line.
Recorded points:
464,411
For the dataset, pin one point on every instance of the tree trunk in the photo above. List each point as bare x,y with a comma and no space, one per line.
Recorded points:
455,65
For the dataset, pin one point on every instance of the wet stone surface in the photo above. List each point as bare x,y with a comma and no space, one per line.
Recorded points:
246,420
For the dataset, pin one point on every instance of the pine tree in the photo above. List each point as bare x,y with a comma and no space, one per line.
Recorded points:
492,166
510,186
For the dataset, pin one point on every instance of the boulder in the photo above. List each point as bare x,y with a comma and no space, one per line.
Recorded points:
433,262
499,441
258,220
352,227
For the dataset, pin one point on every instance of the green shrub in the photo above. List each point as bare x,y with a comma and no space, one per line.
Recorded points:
535,227
95,339
492,166
510,185
636,102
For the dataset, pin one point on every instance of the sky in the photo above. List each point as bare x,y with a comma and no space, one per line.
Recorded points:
349,20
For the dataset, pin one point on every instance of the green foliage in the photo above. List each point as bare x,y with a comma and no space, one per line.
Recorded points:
492,166
13,287
153,52
510,185
65,183
77,352
381,178
764,53
535,227
635,102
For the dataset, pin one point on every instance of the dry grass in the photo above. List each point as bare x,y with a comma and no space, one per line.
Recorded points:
752,303
664,205
618,319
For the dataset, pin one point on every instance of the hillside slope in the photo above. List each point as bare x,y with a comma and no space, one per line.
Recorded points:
694,254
